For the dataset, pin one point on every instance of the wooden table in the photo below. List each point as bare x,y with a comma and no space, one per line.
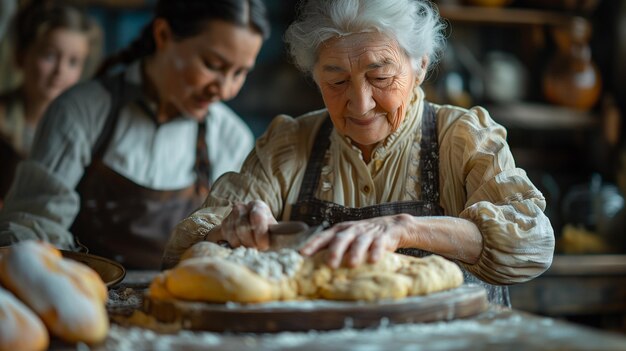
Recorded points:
496,329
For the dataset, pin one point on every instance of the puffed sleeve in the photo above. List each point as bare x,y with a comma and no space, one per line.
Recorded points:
481,183
269,173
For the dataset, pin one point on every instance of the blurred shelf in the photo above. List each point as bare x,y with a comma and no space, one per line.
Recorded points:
503,15
542,116
578,286
568,265
549,160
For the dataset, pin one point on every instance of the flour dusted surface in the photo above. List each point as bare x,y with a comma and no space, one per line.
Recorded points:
497,329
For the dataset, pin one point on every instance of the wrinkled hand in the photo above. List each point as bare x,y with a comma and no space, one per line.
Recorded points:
247,225
354,242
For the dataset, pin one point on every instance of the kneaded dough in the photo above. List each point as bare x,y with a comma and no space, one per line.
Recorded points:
206,249
211,273
67,295
394,276
20,328
216,280
208,272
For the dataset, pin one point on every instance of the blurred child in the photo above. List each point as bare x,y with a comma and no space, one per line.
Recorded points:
52,44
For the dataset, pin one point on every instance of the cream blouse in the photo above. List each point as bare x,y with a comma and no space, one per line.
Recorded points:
477,176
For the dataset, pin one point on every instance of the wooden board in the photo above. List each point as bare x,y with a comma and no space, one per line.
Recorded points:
464,301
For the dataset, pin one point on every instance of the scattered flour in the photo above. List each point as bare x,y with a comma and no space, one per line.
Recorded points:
124,296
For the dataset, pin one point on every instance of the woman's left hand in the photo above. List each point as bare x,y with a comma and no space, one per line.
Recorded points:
357,241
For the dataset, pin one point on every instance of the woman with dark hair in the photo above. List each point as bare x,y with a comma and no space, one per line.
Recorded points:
53,46
119,160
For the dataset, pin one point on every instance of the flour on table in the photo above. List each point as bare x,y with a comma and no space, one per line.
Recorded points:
487,332
123,297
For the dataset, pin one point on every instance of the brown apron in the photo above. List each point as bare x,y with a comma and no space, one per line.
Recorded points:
122,220
314,211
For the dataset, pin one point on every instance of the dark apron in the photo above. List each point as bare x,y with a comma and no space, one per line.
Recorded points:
122,220
314,211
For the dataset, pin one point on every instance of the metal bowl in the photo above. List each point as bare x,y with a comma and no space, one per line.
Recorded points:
109,271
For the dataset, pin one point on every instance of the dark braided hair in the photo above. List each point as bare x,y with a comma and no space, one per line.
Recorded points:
188,18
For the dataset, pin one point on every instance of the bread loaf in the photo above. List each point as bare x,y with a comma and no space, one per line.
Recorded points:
20,328
67,295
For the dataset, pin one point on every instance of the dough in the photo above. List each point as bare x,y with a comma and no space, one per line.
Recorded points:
216,280
67,295
208,272
395,276
205,249
20,328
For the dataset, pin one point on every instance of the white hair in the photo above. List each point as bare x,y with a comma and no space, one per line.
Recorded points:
414,24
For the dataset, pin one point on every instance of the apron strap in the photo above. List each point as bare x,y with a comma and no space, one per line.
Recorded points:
202,165
316,158
115,85
429,155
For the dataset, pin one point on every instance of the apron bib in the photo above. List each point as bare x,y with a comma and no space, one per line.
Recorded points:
125,221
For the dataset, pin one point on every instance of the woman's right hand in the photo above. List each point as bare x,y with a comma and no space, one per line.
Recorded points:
247,225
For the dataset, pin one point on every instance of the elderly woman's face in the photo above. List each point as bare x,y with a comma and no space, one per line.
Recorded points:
366,81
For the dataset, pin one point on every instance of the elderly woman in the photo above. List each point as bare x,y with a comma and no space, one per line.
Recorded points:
387,169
